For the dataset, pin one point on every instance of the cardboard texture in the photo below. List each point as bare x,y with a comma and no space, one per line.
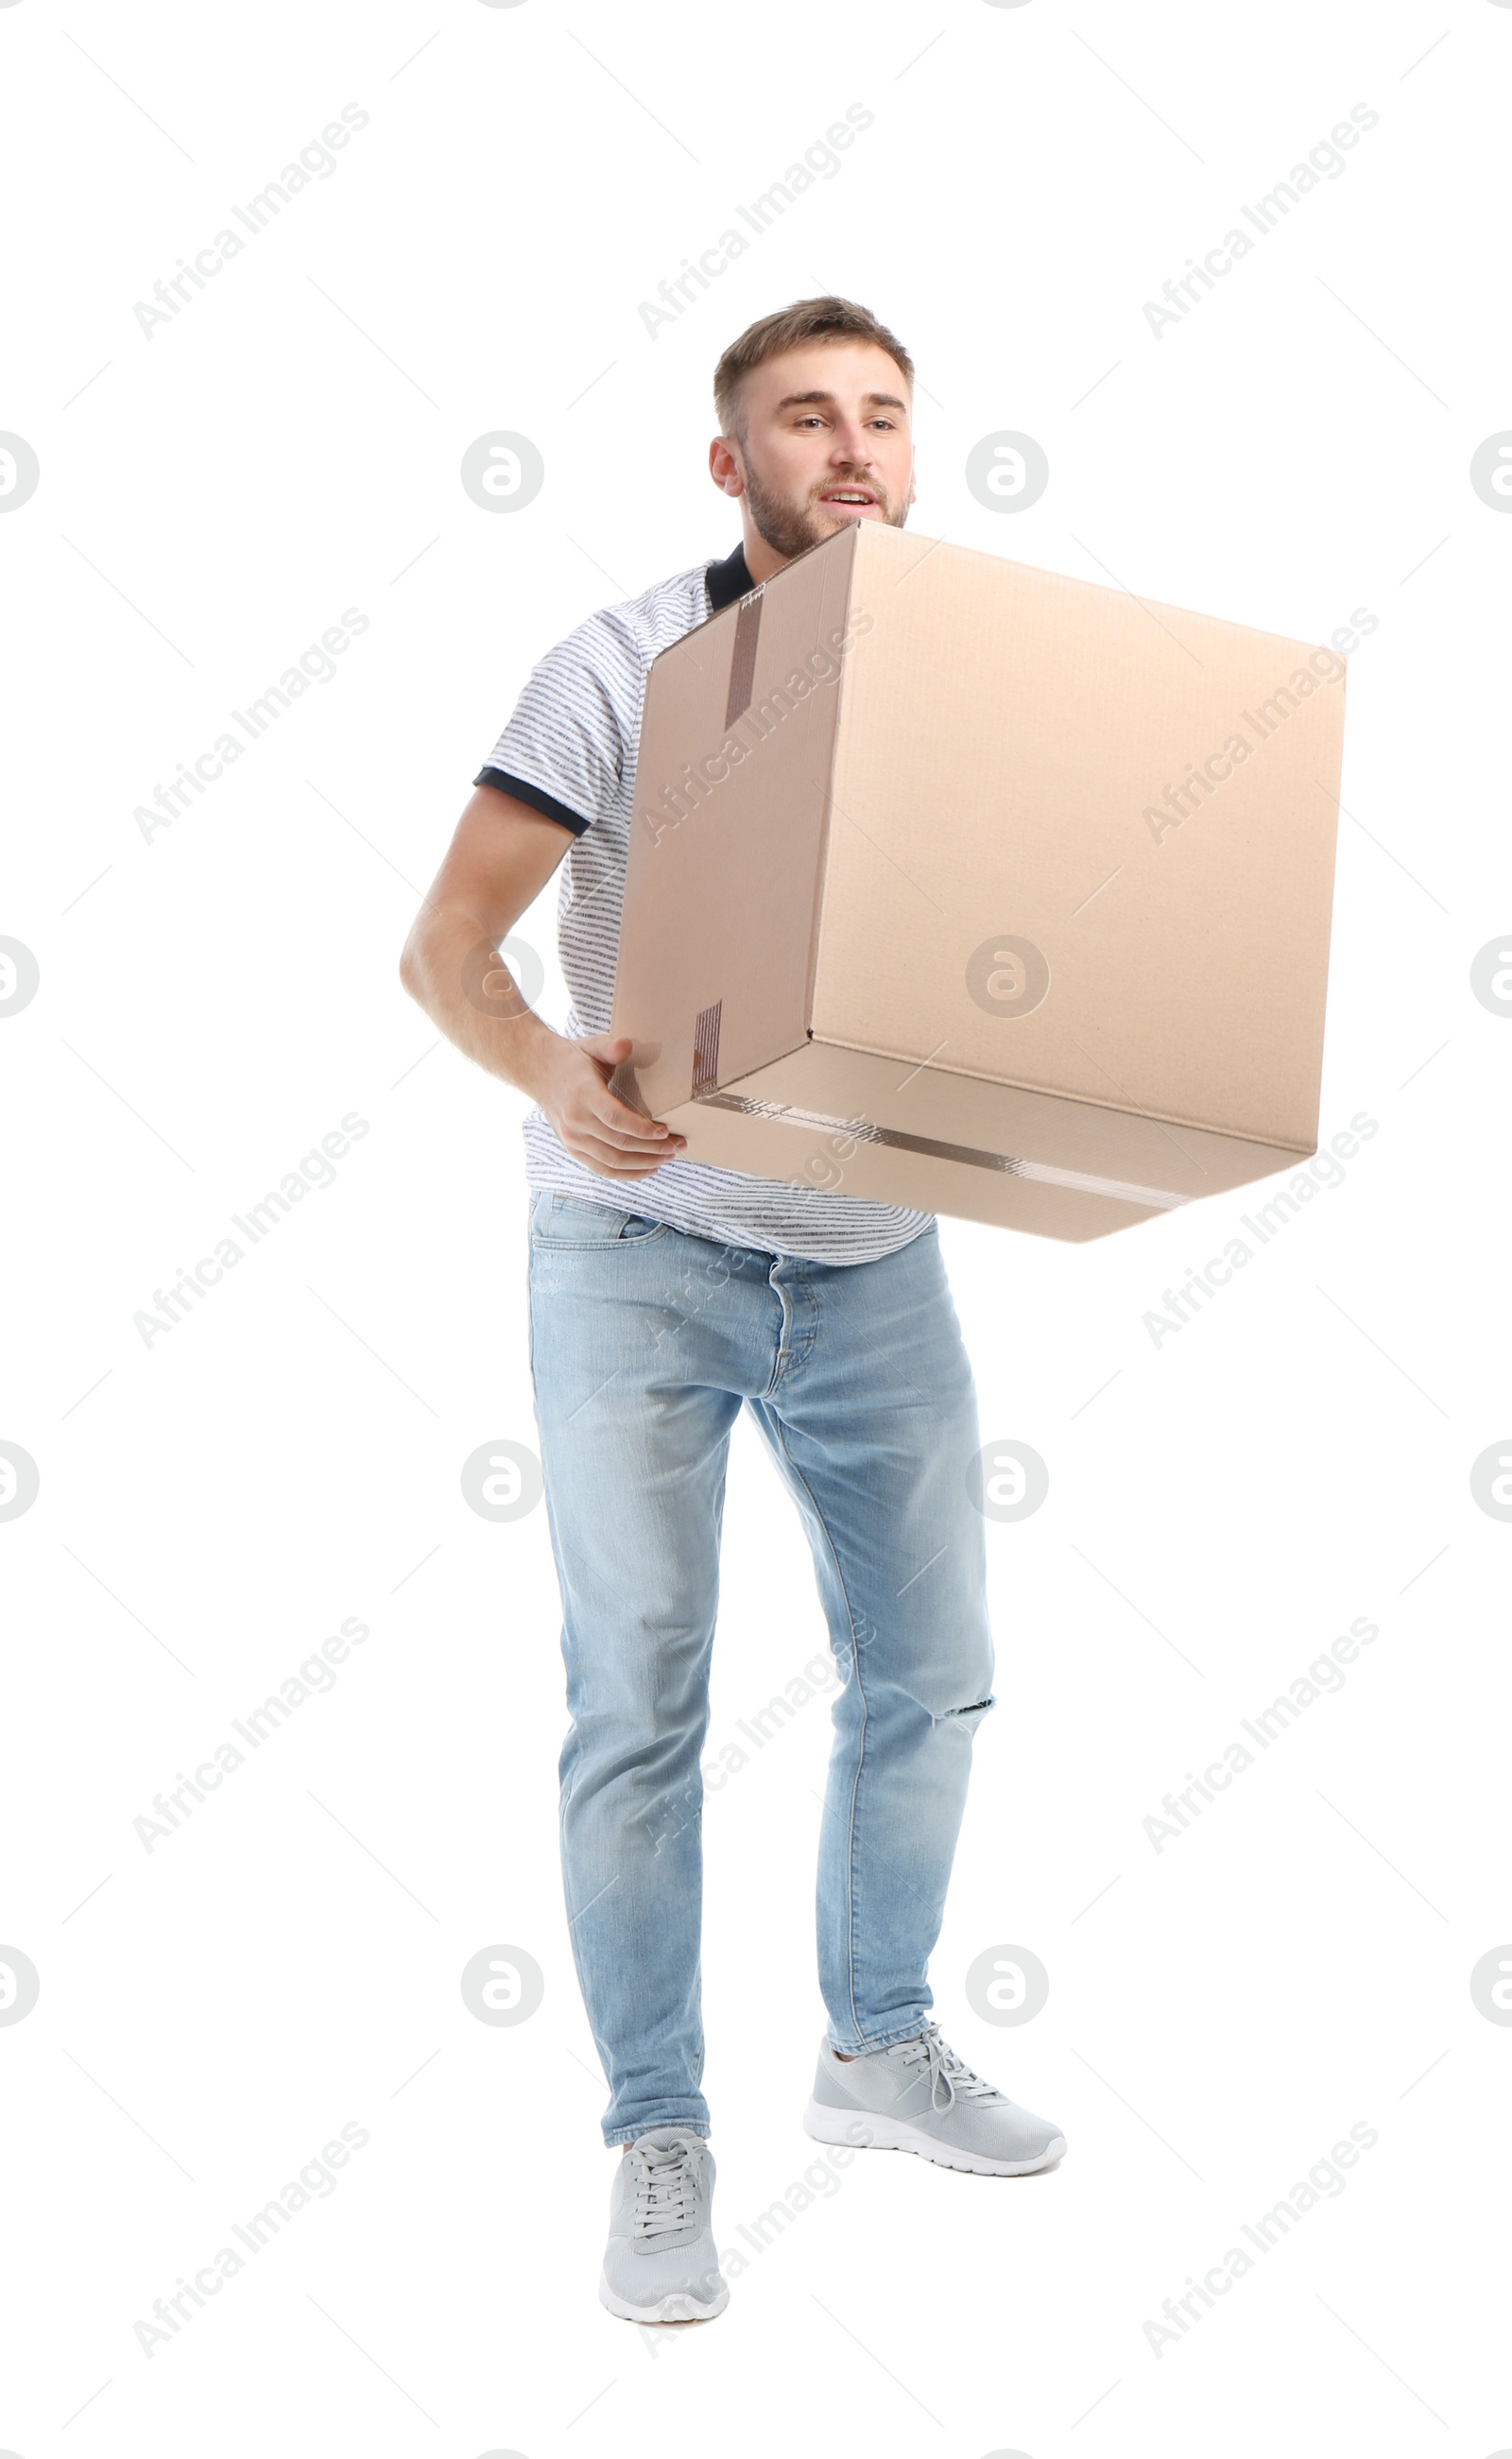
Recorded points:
958,884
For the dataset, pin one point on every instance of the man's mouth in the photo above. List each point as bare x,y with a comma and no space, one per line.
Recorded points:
858,496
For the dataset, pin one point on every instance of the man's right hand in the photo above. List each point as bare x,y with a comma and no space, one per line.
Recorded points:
571,1083
498,862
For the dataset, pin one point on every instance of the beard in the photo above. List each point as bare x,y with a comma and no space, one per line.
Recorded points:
791,529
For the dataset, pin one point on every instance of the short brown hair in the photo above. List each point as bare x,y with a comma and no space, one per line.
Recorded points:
807,320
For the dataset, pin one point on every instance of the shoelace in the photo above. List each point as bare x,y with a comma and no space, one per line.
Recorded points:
666,2187
945,2065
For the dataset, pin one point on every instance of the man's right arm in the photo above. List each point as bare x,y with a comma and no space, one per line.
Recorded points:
499,860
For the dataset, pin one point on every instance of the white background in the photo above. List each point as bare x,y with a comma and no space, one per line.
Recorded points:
215,1000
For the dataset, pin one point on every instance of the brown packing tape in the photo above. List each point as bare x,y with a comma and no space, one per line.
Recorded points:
743,659
1079,1182
706,1051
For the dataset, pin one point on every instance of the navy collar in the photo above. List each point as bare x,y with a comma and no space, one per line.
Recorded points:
728,580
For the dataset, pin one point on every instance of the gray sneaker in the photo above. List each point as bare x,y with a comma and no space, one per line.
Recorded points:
660,2264
921,2097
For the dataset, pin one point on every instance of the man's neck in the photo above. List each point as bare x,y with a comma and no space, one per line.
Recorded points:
762,560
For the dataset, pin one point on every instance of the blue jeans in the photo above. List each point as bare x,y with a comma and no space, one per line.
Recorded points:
644,1341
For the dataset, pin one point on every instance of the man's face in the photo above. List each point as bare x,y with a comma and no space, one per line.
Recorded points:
829,439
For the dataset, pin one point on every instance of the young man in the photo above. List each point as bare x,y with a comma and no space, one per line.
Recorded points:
664,1293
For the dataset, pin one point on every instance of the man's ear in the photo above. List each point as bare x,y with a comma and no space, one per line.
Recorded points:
724,467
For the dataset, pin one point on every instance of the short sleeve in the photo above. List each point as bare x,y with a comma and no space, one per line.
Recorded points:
563,751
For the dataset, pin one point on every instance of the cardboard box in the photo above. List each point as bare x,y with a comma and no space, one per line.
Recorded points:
962,885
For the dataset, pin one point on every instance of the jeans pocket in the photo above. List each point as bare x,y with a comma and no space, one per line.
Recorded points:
574,1221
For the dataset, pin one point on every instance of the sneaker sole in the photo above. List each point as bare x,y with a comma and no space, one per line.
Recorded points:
679,2305
868,2133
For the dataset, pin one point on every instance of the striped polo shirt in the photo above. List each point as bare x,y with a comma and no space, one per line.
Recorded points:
569,750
